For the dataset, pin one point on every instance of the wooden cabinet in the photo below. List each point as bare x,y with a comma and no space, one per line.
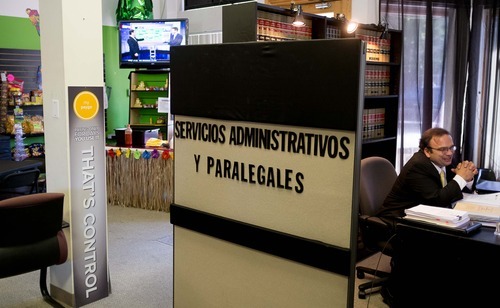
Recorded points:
148,92
253,21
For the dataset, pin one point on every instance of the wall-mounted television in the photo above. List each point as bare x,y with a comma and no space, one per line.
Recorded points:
147,43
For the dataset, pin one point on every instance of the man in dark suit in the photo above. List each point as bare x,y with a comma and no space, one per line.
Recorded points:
133,44
419,181
175,37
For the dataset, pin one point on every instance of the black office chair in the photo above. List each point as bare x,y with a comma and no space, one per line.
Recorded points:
19,183
32,237
377,176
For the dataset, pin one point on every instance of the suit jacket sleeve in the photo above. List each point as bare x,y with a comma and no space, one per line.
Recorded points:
419,183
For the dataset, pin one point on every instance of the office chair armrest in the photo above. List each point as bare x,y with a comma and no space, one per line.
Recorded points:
373,222
375,231
26,258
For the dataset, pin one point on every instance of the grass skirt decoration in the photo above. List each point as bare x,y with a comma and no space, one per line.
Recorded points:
140,178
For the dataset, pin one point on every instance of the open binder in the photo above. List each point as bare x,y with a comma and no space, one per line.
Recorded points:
482,208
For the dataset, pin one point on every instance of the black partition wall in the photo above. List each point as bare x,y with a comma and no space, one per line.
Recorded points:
267,150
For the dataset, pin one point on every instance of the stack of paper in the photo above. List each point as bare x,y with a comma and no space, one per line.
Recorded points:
452,218
482,208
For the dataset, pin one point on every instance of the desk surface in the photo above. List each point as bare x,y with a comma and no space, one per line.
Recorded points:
9,166
484,235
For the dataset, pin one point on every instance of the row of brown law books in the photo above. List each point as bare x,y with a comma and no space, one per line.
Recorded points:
276,27
377,80
373,123
377,49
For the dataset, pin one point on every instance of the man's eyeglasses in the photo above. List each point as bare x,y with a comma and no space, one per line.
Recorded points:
453,148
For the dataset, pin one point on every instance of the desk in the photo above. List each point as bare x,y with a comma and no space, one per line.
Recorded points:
437,269
10,166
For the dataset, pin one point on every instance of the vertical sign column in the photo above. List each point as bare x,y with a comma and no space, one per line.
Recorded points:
73,82
88,180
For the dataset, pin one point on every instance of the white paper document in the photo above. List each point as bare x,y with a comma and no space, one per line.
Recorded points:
482,208
164,105
437,215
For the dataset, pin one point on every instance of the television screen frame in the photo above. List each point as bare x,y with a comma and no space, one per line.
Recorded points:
153,37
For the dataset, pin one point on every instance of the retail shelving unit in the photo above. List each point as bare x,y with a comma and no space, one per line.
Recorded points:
25,66
147,87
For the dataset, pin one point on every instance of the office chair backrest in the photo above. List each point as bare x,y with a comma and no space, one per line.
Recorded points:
377,177
31,234
30,218
20,183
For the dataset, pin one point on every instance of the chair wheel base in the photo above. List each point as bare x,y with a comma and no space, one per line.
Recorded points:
361,295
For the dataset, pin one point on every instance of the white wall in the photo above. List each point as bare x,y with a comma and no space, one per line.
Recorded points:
201,20
17,8
365,11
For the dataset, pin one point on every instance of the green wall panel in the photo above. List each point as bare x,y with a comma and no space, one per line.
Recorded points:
117,82
18,33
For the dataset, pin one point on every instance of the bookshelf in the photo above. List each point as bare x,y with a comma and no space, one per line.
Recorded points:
382,80
253,21
146,87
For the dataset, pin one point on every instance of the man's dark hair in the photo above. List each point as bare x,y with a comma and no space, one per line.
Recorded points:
429,134
131,31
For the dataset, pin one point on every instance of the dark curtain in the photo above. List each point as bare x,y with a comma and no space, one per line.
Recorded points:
450,61
481,120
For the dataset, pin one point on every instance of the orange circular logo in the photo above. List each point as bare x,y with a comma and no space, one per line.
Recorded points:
86,105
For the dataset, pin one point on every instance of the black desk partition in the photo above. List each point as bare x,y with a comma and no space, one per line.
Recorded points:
267,150
439,269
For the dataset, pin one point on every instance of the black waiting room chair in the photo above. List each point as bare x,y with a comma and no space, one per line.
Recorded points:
31,237
19,183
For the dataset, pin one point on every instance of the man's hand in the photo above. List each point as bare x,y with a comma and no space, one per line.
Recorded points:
466,169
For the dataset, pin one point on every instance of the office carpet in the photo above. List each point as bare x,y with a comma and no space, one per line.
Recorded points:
140,265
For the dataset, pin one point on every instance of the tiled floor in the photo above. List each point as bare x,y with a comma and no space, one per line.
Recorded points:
140,262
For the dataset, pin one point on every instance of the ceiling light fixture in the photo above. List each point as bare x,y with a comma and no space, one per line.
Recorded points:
384,26
385,33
